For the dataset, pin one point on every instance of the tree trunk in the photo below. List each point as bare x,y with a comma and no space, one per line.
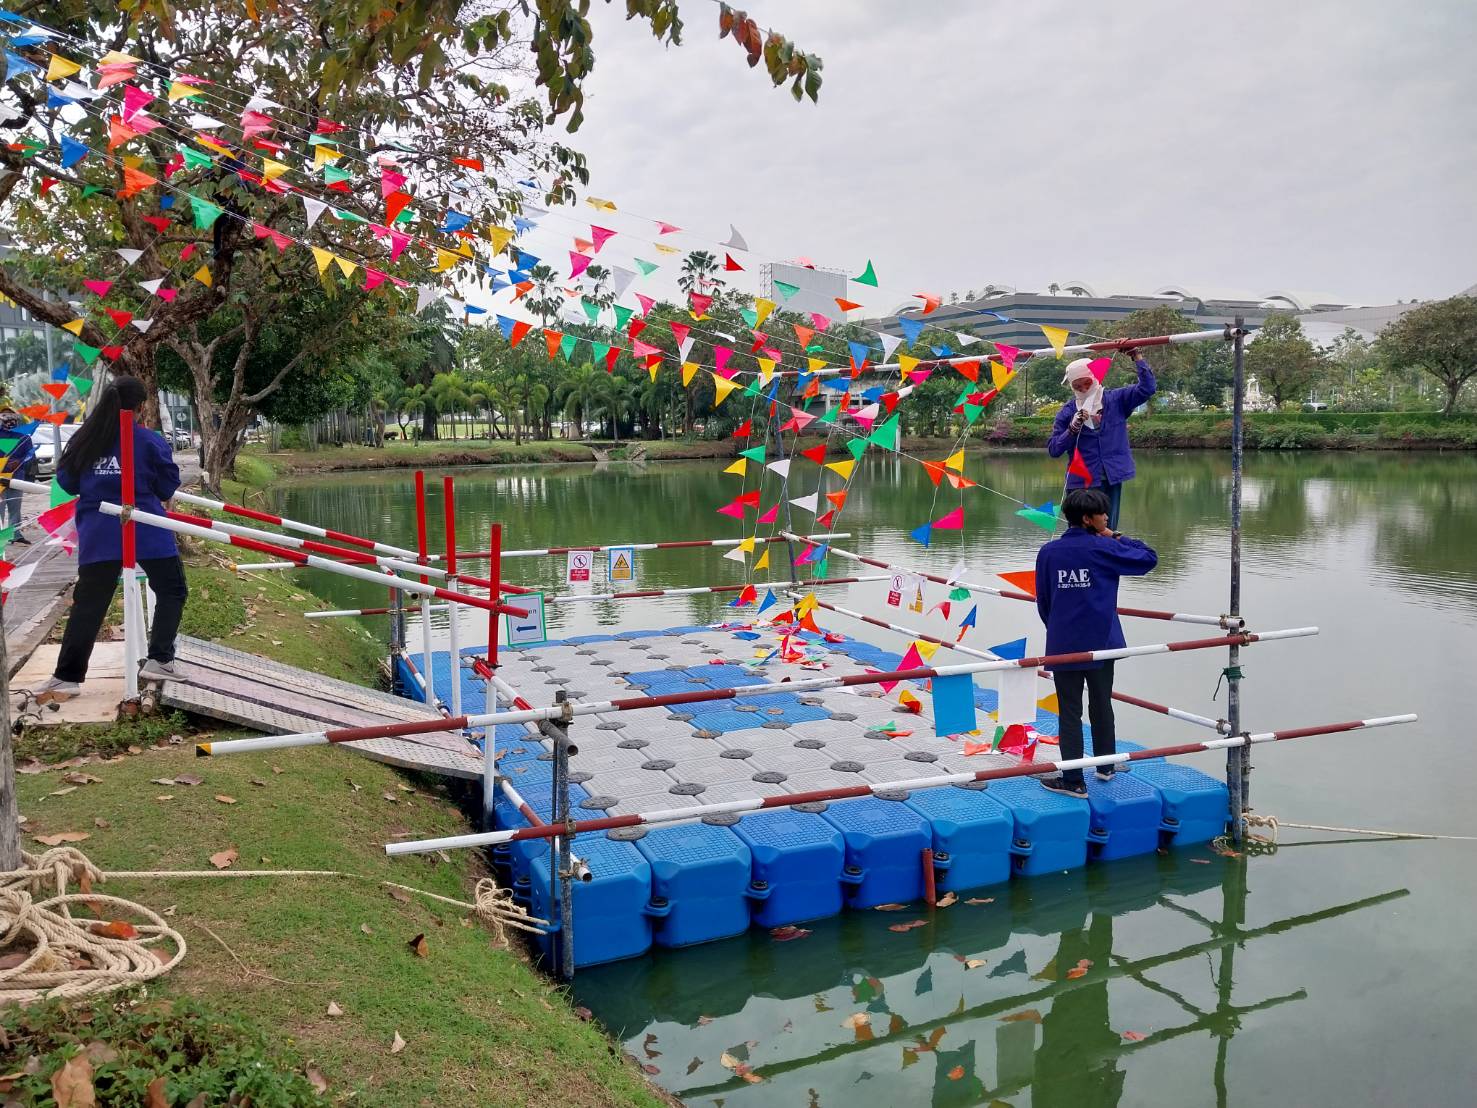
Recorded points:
1453,390
10,843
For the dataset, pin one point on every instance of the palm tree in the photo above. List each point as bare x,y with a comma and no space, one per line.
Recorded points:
580,395
597,289
698,270
616,401
449,391
545,300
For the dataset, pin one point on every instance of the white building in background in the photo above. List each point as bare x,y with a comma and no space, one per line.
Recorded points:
818,288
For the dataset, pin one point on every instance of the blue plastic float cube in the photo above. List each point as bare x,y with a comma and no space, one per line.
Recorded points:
884,844
699,883
1050,829
797,862
610,920
971,836
1195,804
1126,816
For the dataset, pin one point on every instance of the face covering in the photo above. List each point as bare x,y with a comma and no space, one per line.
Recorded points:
1091,401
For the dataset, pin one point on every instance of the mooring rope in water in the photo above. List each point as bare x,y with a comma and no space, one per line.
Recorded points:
1274,823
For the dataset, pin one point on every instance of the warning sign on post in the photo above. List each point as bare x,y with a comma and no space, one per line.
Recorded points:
895,590
529,630
915,593
577,569
621,568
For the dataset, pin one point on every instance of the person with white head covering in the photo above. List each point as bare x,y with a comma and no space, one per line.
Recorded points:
1094,425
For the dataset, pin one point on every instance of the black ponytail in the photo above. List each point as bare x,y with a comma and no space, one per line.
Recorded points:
98,435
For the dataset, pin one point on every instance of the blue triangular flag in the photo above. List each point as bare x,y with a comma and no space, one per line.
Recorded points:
527,261
529,183
968,621
1014,650
32,37
507,325
522,225
15,64
72,152
941,351
860,351
472,309
455,221
840,384
60,373
518,276
500,283
871,394
166,201
55,99
769,601
26,429
1002,318
912,328
922,534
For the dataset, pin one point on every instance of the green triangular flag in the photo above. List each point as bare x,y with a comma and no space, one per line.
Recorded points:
752,388
7,442
59,495
88,190
83,385
87,353
196,159
206,213
567,345
333,175
405,216
1044,520
646,268
999,734
750,316
972,413
868,277
754,453
786,289
319,140
600,348
349,217
592,309
622,316
830,414
5,537
885,434
821,570
959,593
857,447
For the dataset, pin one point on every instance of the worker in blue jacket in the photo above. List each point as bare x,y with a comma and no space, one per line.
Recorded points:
1077,597
1095,422
18,461
89,469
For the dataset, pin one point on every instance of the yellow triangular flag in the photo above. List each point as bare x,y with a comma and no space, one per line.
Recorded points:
722,386
178,90
665,249
272,170
203,276
766,368
1057,336
465,249
815,364
324,154
322,257
762,308
1000,375
1048,703
926,650
907,364
599,205
652,368
59,68
345,266
807,605
75,326
445,259
203,140
747,546
116,57
955,461
843,468
500,237
689,369
739,466
763,562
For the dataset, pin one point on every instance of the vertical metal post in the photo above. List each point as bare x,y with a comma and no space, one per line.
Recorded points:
1238,759
560,860
132,657
448,500
495,575
427,672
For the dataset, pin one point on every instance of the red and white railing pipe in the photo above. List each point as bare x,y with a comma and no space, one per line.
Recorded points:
570,710
292,542
1226,623
914,784
685,544
1218,726
294,525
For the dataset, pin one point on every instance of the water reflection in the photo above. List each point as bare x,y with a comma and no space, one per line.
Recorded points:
1016,989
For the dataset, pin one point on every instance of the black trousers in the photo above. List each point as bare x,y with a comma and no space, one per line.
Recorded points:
1069,685
96,584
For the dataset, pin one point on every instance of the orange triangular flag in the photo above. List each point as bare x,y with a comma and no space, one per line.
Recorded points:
846,305
1023,579
552,339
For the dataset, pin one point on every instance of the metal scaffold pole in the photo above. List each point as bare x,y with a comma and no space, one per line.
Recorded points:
1238,759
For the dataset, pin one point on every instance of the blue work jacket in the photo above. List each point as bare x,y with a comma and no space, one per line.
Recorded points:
1077,590
20,459
156,478
1104,447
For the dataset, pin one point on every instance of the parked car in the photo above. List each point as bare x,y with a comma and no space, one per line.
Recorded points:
1315,406
45,440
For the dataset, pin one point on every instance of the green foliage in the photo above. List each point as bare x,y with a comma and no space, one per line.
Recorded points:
56,743
129,1043
1283,361
1439,339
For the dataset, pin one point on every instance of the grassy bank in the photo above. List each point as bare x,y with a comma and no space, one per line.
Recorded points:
256,466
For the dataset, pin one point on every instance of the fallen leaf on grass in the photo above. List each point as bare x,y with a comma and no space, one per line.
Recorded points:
584,1013
947,899
71,1086
32,767
276,769
224,799
316,1079
418,946
80,779
980,900
115,929
334,1009
187,778
161,780
398,896
258,782
366,929
1030,1015
224,858
956,1073
356,788
397,1045
909,925
62,837
166,796
101,823
63,792
155,1096
391,797
787,934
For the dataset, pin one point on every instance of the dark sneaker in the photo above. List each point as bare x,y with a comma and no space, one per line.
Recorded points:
1060,785
1105,773
20,539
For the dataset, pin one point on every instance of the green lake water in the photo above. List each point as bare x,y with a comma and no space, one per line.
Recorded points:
1336,970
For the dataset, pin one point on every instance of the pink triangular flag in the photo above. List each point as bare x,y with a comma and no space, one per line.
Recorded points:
641,349
1008,354
167,295
373,278
734,509
578,263
820,321
771,515
99,287
135,100
954,521
390,181
647,303
399,240
599,236
721,354
679,332
666,228
1099,368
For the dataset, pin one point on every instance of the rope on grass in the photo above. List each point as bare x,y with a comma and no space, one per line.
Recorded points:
68,957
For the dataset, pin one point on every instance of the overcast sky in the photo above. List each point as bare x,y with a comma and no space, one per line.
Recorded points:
1326,147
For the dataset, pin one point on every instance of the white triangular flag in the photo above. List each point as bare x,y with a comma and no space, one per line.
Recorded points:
735,555
782,467
424,294
906,391
142,324
807,502
965,340
455,307
314,209
130,256
735,240
958,570
204,122
19,576
889,344
260,103
151,286
684,348
75,90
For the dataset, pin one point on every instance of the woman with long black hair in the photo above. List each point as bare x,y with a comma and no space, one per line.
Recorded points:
89,469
